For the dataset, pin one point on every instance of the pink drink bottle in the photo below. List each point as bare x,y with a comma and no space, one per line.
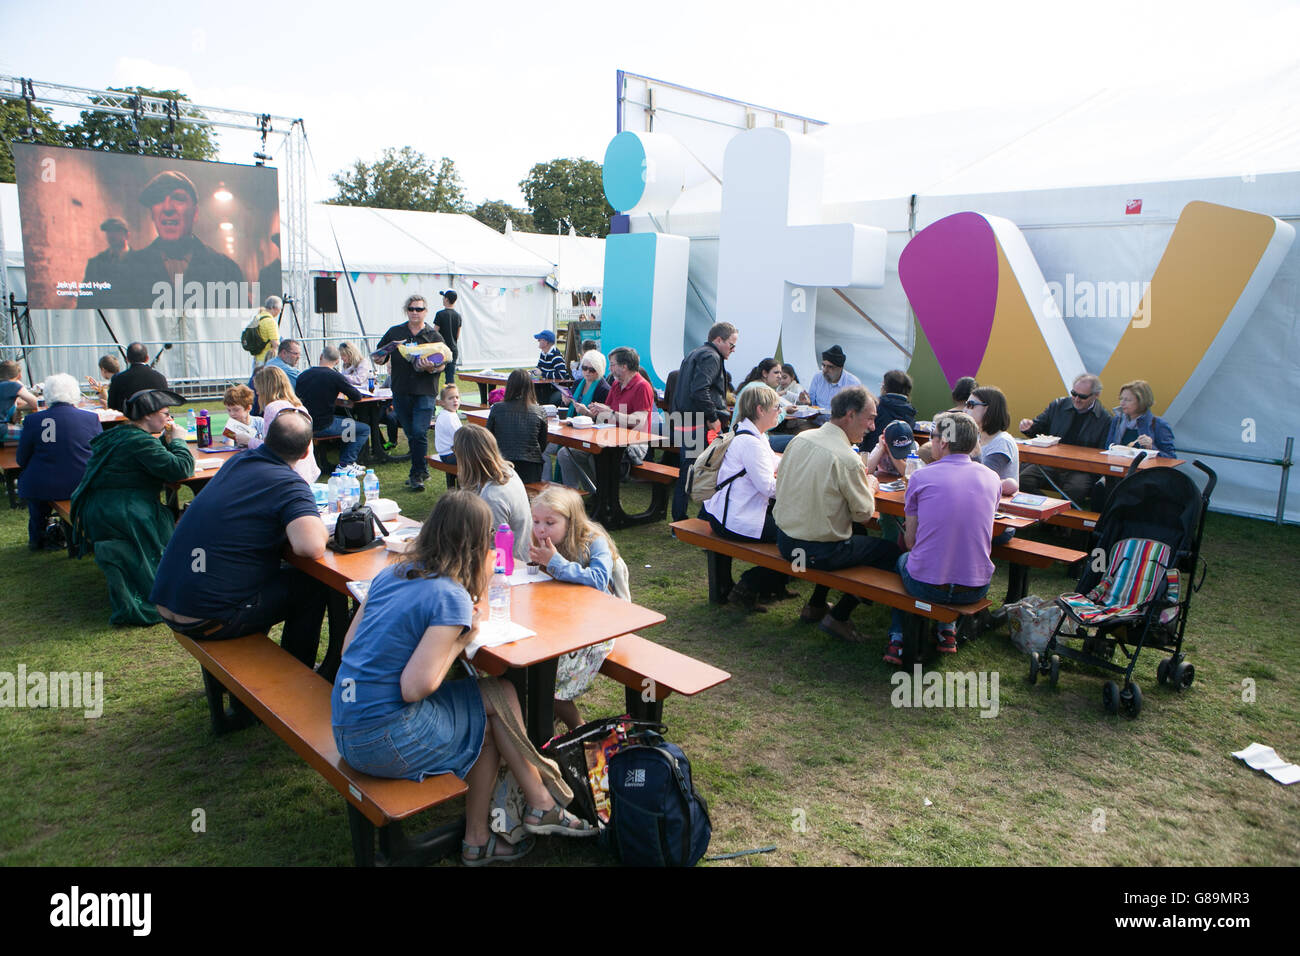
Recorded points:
505,545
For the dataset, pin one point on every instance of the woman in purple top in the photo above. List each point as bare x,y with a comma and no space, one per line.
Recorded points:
948,516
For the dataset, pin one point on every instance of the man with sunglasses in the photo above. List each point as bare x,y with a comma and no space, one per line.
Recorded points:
414,384
1078,419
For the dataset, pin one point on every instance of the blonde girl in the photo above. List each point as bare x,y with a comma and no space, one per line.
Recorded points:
576,549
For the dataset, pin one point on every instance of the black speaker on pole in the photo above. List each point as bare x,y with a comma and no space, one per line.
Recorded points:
326,294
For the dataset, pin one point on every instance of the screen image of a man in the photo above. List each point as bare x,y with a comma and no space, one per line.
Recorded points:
106,266
176,252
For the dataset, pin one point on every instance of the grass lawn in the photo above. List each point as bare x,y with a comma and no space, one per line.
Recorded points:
801,749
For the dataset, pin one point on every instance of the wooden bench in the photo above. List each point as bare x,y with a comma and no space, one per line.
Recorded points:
534,488
650,673
871,584
1023,554
293,702
662,478
1074,519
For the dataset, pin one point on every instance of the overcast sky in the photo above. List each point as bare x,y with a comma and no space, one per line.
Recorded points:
502,84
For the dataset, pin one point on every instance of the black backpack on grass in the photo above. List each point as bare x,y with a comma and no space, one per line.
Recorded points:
656,817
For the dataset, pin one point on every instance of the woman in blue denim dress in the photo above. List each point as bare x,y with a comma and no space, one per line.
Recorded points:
395,713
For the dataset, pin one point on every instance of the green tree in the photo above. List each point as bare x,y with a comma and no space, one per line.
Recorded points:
568,192
495,212
402,179
112,131
13,125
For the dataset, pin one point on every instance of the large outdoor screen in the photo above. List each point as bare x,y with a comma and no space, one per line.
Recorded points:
114,230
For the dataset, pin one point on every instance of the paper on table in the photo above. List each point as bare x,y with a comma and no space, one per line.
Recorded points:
1259,757
521,575
359,589
493,635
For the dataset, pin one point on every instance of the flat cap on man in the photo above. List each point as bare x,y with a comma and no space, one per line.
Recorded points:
163,184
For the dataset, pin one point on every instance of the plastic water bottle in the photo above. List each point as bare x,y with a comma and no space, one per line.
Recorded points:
371,487
505,545
193,427
913,463
203,428
335,491
499,598
353,490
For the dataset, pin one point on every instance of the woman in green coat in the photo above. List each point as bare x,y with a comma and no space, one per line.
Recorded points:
116,510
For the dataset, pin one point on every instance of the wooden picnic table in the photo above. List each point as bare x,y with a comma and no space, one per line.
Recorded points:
566,617
371,411
606,445
1009,516
1079,458
486,380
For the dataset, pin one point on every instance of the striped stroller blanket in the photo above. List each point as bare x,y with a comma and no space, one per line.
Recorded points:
1138,567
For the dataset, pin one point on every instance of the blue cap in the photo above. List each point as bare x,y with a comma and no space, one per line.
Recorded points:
898,436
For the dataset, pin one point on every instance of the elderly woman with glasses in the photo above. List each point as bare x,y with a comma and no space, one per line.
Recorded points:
116,512
1136,426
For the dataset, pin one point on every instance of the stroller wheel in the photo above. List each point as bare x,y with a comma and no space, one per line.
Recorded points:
1033,667
1162,670
1130,700
1182,676
1053,669
1110,697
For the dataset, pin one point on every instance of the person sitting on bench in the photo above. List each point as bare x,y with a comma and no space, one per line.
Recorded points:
396,714
1077,419
221,575
822,489
948,525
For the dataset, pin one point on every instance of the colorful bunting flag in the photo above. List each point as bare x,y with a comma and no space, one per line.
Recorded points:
356,276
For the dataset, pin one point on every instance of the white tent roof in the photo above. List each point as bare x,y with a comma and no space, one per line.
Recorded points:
397,240
579,262
1153,134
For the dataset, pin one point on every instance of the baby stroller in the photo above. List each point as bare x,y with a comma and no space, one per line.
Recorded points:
1136,587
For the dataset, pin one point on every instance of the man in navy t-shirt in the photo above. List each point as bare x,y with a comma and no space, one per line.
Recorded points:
221,576
319,388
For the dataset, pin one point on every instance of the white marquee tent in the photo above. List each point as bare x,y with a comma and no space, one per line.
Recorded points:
1064,174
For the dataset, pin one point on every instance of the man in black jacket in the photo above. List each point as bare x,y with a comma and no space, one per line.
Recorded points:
699,402
137,378
1078,419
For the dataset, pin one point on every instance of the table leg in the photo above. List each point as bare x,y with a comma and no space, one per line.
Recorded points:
340,617
606,507
539,713
483,394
